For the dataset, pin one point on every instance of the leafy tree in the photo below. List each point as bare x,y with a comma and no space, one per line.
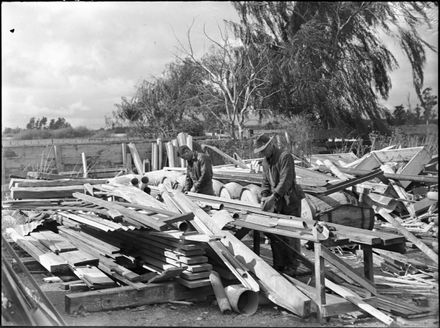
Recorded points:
399,115
162,106
43,122
428,103
327,58
410,117
61,123
31,124
51,124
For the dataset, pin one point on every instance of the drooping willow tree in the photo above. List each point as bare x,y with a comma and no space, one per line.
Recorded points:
329,59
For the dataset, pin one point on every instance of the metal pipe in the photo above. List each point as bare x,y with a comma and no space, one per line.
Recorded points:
219,292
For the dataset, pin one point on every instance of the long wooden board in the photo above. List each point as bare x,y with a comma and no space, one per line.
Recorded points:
45,192
121,297
53,241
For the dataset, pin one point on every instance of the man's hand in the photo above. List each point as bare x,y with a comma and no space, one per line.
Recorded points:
268,203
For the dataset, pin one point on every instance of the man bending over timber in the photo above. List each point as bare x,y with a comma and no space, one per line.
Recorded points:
280,194
198,171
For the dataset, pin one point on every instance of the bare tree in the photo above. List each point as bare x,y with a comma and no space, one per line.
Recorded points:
235,73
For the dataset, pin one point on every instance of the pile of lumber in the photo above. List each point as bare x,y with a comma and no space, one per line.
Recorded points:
137,234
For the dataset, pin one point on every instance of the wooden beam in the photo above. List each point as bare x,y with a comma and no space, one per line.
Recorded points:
58,158
84,163
159,153
136,158
415,165
368,263
346,269
53,241
122,297
226,156
54,183
408,235
319,277
139,218
79,258
406,177
45,192
124,154
396,155
355,299
358,235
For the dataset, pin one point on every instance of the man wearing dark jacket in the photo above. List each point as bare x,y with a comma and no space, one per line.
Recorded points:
198,171
280,194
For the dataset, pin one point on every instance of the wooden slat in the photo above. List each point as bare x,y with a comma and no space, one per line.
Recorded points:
194,283
408,235
93,277
53,241
226,156
137,240
85,221
344,267
79,258
144,220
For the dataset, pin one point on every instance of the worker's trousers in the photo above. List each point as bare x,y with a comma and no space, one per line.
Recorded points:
283,256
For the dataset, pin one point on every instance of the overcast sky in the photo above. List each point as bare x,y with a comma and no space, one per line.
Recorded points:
77,59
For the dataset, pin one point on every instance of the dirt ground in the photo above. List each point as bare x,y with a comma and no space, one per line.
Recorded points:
207,314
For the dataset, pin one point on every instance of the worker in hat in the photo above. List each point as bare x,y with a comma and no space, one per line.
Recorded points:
280,194
198,171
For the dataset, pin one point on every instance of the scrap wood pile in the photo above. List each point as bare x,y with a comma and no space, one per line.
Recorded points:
115,237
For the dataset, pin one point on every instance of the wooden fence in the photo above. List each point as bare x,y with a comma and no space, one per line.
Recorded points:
65,155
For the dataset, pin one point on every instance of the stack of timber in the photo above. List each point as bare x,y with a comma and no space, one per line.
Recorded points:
137,237
57,254
164,252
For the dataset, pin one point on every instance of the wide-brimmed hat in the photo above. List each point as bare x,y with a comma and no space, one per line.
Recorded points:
262,142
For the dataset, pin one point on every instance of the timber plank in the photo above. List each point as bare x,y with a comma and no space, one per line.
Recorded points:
45,192
121,297
53,241
79,258
355,299
84,220
178,244
344,267
104,247
162,244
53,183
93,277
194,283
142,219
